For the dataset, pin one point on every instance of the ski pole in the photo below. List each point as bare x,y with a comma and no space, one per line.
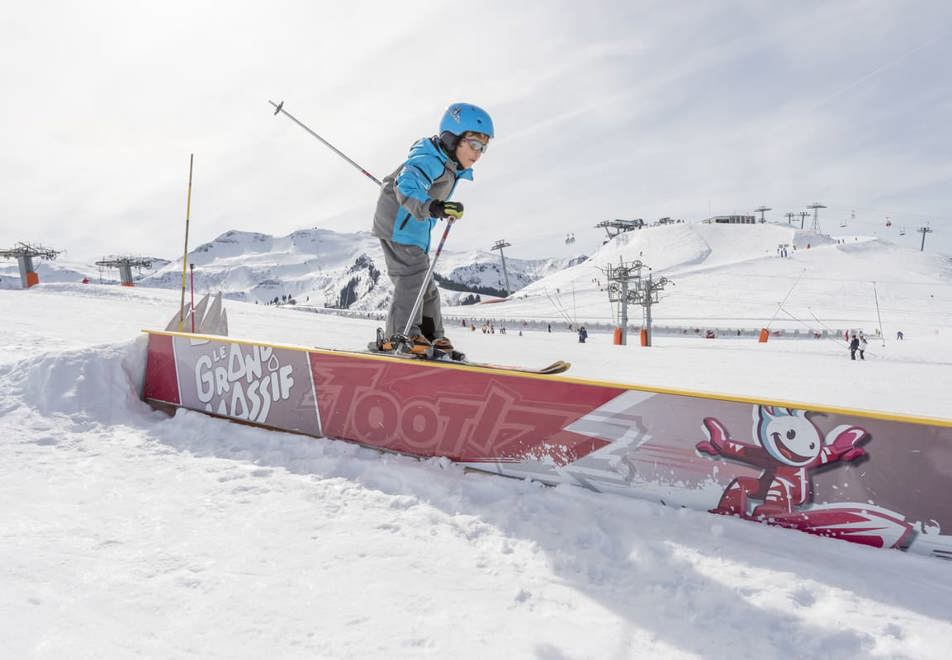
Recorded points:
279,107
426,279
188,211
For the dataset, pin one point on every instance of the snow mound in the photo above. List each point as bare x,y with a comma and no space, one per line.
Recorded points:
90,385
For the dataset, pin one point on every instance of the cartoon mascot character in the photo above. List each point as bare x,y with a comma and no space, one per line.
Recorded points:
790,445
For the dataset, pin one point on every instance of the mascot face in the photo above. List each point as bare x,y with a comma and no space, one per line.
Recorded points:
787,435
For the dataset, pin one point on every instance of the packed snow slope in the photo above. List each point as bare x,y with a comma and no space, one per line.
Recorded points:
128,533
731,276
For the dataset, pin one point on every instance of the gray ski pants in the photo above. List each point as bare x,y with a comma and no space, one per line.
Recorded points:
407,266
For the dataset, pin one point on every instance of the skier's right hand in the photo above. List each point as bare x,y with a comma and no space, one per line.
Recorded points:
441,209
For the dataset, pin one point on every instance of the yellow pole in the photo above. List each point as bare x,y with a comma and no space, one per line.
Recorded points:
188,210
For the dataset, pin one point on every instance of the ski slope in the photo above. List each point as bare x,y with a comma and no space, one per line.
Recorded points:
729,277
127,533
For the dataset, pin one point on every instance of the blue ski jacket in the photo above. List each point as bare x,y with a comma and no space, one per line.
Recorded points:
403,214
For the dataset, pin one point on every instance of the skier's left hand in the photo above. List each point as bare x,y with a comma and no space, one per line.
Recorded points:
441,209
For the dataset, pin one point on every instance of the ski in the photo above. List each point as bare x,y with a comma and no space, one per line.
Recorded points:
557,367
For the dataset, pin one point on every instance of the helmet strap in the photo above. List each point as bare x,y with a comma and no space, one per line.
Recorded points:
449,141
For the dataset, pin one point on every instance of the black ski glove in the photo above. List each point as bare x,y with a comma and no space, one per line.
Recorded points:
440,209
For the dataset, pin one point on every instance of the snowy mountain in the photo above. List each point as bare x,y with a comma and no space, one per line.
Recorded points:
324,268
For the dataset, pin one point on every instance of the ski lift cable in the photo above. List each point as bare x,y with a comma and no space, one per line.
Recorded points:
889,212
835,206
780,306
563,311
557,307
835,338
832,336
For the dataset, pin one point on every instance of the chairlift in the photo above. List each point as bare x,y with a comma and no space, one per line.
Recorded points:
569,239
888,222
902,231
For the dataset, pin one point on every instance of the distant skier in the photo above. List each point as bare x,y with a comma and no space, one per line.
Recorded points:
582,334
412,199
899,335
854,346
862,346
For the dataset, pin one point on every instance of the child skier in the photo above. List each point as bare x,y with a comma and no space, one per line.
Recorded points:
412,199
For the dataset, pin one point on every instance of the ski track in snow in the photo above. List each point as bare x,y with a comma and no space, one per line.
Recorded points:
124,532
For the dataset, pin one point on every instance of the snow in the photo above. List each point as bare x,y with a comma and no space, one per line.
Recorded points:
125,532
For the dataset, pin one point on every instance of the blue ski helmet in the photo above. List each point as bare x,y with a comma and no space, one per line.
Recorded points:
462,117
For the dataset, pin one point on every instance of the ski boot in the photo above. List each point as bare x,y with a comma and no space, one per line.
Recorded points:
443,343
443,350
416,345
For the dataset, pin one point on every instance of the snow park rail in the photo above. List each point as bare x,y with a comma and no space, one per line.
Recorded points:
874,478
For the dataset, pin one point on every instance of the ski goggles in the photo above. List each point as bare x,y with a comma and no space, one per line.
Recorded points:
476,145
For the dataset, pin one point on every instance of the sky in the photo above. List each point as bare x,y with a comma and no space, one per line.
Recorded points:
602,110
